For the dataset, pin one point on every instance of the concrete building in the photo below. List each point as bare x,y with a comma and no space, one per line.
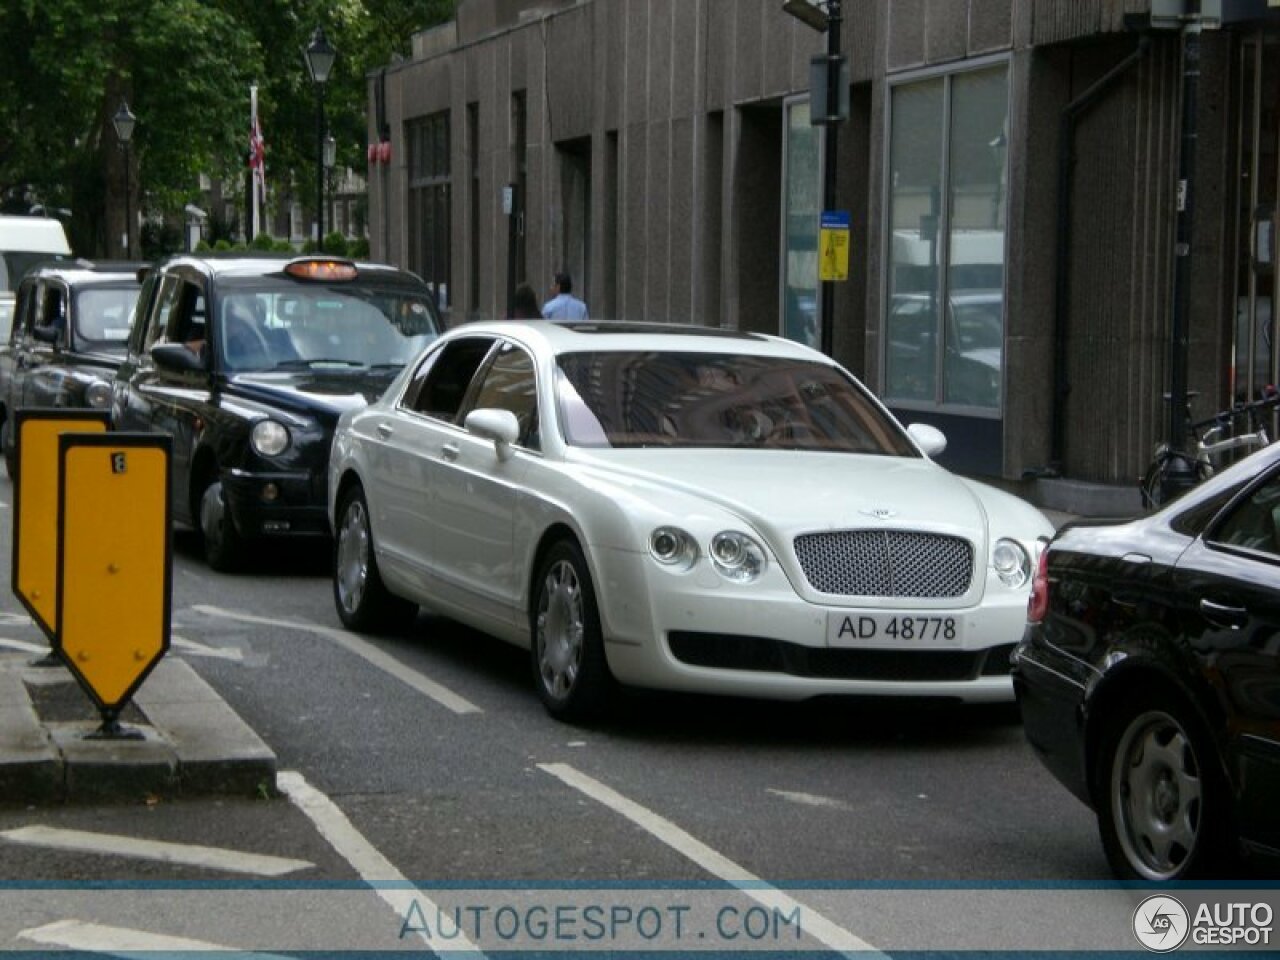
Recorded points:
1017,161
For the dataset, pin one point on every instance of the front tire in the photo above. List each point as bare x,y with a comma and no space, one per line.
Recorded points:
567,649
364,603
1162,801
223,545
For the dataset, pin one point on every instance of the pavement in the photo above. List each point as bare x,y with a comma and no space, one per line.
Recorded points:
186,740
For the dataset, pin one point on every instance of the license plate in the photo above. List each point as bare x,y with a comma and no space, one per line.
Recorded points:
893,630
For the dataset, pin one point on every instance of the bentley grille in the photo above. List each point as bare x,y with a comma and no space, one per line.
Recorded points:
886,563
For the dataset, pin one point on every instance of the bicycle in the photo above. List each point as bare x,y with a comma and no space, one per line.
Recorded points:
1213,441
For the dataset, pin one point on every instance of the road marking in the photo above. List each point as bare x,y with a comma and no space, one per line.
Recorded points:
715,863
11,618
213,858
120,941
363,649
367,861
24,646
201,650
810,799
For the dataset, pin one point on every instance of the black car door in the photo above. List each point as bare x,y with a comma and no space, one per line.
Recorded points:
1230,579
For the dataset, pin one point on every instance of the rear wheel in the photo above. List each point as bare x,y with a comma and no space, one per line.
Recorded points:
223,545
363,601
567,652
1162,803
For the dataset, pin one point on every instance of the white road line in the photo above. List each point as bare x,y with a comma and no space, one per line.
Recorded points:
374,869
213,858
363,649
24,646
122,942
201,650
715,863
810,799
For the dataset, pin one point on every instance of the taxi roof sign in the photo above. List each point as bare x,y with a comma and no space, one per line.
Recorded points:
115,562
35,506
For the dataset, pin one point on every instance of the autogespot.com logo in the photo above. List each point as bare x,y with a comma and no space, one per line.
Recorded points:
1161,923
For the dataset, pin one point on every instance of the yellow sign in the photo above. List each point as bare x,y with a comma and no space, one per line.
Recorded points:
35,506
833,246
115,568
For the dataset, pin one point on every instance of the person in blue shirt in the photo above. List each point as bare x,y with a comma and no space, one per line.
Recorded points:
563,305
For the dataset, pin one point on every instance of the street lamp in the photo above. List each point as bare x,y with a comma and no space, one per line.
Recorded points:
828,98
319,55
124,121
330,161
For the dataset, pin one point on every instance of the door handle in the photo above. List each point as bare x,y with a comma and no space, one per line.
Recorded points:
384,431
1224,614
449,451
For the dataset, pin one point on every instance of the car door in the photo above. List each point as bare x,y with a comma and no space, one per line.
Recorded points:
43,372
404,450
477,491
1230,578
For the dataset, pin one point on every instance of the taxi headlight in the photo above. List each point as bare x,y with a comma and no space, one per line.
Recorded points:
98,395
672,547
1011,562
737,557
269,438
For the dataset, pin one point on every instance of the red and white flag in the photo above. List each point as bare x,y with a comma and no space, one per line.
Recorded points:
257,161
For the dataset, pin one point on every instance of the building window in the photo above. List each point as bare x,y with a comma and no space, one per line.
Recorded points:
430,202
946,242
801,207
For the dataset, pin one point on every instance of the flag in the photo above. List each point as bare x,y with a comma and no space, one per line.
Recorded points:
257,162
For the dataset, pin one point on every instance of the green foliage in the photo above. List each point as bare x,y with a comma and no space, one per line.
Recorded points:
185,68
358,249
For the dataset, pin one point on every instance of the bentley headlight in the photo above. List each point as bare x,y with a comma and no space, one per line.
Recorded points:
737,557
98,395
672,547
1012,564
269,438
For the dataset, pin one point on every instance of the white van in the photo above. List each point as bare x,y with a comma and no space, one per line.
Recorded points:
25,241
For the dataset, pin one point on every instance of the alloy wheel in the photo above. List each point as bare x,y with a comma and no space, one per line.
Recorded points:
353,557
560,630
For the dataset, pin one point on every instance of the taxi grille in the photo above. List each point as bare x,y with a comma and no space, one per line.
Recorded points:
886,563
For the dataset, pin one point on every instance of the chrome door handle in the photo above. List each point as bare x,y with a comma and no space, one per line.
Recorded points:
1224,615
384,431
449,451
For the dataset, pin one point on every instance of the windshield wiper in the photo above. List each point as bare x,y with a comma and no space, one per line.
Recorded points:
316,362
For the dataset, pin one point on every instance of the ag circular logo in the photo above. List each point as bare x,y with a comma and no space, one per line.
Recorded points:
1161,923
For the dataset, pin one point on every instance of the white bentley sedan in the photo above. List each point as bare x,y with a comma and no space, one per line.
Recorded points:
679,508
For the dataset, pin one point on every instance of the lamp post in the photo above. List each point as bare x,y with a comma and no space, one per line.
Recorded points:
330,161
319,55
826,94
124,121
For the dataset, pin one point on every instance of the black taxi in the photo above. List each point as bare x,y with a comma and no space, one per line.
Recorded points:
71,325
247,361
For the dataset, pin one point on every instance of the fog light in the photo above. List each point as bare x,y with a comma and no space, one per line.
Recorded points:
270,492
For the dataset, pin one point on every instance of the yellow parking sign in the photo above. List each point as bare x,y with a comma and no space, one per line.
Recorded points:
833,244
35,506
115,564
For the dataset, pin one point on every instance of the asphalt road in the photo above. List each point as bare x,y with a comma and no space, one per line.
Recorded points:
431,753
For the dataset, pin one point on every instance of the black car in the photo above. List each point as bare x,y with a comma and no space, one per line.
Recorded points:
247,361
1149,676
69,333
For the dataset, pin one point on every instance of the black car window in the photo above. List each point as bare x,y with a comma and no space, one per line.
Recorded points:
508,383
1254,522
444,385
102,317
165,303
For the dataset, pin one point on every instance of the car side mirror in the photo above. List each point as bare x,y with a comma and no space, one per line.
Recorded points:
500,426
45,333
930,440
177,358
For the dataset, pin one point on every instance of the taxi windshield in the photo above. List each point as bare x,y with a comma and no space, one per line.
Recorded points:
287,325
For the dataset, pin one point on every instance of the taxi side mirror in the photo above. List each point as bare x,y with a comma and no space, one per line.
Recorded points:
177,358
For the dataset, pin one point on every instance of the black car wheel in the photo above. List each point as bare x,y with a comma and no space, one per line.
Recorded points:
363,601
1162,808
223,545
567,652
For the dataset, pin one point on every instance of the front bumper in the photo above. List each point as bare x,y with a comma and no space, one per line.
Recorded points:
694,631
278,504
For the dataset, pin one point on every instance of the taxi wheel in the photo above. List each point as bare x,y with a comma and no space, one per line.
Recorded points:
363,601
223,545
1163,811
567,649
